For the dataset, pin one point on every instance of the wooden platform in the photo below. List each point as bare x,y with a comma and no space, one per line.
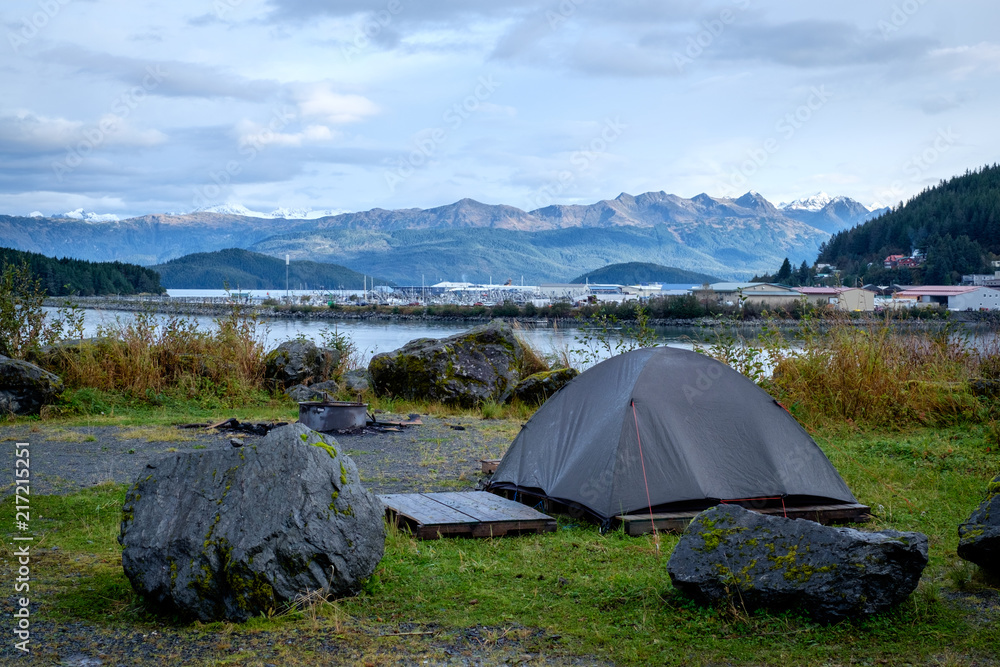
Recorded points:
676,522
470,514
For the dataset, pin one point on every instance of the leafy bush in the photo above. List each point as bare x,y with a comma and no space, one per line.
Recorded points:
602,335
24,327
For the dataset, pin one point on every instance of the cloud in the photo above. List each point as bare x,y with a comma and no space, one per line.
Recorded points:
409,11
815,43
640,40
174,78
941,103
961,62
254,134
319,100
25,131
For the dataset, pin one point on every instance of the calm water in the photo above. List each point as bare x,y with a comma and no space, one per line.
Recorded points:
372,337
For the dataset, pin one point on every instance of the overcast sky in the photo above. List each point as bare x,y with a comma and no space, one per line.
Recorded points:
144,106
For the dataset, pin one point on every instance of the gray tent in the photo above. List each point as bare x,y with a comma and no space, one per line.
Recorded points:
707,434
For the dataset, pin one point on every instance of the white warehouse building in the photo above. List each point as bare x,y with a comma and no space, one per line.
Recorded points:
953,298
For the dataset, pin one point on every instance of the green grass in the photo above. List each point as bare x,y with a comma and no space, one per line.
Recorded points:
577,592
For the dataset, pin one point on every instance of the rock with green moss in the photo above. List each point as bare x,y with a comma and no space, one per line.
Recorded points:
25,388
233,533
465,370
979,536
300,362
732,555
538,388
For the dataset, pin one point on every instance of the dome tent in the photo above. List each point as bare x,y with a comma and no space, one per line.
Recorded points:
693,430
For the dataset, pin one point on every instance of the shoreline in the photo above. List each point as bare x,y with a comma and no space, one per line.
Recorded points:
218,307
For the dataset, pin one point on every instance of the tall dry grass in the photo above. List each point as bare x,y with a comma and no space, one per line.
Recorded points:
150,356
876,374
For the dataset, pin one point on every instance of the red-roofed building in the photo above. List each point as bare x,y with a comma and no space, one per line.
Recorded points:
892,261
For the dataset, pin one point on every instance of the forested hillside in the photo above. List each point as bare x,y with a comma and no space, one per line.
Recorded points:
62,277
955,225
250,270
633,273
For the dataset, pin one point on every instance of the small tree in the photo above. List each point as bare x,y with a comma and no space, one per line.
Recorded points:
22,321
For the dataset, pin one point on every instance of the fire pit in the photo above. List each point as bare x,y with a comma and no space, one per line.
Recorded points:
333,415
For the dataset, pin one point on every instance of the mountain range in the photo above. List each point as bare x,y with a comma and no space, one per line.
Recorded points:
731,238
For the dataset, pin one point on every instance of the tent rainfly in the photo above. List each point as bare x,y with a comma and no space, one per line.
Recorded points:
688,428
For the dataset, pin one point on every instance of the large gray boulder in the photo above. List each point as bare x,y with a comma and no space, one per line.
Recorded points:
356,381
732,554
303,394
25,388
231,533
979,536
482,364
539,387
300,362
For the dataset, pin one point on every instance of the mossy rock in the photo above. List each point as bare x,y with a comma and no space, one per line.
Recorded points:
230,534
979,535
25,388
731,555
538,388
465,370
300,362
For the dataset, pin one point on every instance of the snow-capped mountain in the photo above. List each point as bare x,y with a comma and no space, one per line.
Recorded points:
231,208
831,214
815,203
90,216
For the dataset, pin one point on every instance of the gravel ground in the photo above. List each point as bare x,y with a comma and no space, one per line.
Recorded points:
441,454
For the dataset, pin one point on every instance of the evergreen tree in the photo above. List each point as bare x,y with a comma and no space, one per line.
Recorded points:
802,277
784,273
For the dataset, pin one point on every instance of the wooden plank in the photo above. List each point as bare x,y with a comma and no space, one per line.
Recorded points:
424,510
503,528
472,514
487,507
640,524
